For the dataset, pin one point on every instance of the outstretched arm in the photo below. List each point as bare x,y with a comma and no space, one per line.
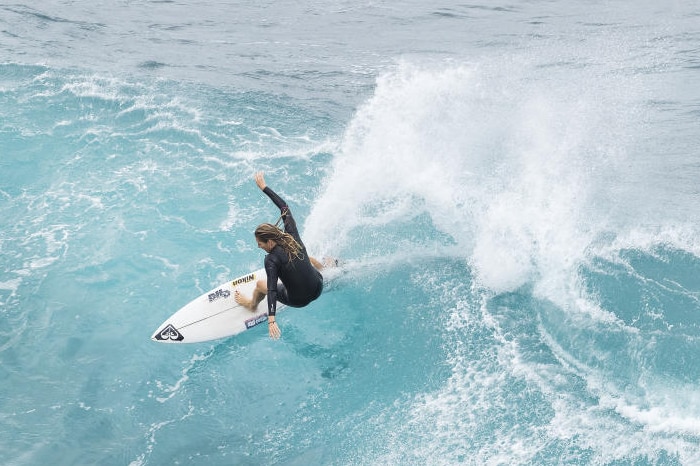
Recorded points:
274,197
290,225
260,180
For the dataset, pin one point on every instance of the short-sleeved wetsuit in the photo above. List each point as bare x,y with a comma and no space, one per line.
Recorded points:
301,282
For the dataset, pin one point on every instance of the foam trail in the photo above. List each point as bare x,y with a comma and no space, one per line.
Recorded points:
499,166
395,157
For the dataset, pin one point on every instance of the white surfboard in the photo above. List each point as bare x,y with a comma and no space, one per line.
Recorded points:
216,314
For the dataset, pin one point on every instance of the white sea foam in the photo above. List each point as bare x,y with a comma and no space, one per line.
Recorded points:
514,173
168,391
11,285
498,167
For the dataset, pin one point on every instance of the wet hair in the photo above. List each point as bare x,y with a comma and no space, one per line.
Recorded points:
268,231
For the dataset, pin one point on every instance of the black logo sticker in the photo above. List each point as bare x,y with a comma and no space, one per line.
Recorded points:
169,333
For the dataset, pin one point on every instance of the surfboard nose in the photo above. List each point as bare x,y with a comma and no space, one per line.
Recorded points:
167,334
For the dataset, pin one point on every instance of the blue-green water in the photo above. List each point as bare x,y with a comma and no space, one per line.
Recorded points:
513,187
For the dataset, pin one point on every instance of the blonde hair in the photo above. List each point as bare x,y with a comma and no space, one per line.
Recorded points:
268,231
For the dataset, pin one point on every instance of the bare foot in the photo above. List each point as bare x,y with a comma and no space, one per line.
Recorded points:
243,301
330,262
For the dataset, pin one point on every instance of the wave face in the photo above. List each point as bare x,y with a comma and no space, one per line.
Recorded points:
513,196
566,327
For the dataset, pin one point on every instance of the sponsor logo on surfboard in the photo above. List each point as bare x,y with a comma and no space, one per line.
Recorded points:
169,333
219,294
250,323
246,279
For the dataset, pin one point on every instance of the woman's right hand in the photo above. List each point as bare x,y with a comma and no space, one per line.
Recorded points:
274,330
260,180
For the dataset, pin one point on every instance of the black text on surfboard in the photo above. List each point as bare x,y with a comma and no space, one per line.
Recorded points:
219,294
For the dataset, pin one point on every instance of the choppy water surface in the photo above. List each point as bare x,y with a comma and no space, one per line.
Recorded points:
512,187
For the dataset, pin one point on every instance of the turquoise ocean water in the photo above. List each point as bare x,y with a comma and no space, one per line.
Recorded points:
513,186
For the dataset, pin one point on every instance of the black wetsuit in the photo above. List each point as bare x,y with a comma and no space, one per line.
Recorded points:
301,282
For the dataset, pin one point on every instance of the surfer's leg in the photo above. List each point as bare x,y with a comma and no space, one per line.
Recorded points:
316,263
327,262
259,294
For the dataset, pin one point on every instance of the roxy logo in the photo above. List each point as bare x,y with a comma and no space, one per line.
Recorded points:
169,333
219,294
246,279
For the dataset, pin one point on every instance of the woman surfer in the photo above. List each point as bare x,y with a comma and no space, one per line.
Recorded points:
293,277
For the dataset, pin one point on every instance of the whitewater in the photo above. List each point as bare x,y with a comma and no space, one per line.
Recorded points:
512,187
